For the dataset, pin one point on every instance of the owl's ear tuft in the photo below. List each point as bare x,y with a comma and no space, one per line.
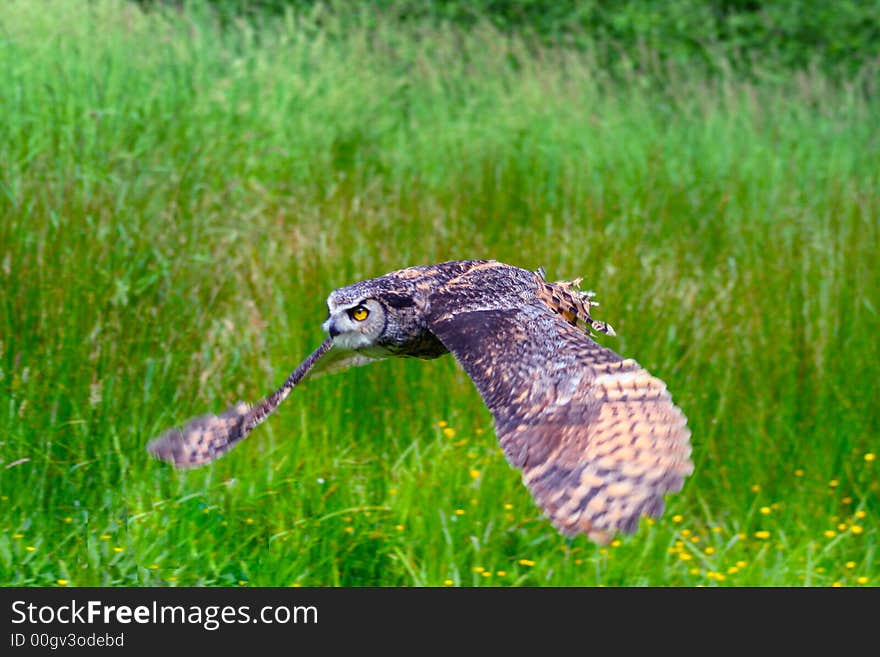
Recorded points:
398,300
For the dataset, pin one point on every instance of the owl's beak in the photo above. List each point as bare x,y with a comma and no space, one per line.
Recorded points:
330,327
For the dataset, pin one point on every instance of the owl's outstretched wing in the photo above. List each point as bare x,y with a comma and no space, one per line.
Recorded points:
597,438
209,437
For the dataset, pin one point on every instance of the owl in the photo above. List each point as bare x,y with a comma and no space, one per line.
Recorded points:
596,437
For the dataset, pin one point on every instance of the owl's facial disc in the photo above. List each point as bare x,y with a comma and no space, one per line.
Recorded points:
355,326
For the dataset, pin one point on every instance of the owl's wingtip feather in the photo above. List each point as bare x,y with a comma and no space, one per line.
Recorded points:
168,447
203,439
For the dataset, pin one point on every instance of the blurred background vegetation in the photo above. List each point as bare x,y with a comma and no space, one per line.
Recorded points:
785,33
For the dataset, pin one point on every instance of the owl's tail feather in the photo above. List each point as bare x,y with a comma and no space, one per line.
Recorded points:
564,298
209,437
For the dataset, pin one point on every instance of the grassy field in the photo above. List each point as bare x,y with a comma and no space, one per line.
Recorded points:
176,203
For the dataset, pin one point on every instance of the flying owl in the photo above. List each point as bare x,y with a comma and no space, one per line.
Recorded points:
597,438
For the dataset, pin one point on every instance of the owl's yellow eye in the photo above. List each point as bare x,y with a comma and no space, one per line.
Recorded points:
360,313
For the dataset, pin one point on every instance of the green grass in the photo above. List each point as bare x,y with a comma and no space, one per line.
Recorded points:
176,202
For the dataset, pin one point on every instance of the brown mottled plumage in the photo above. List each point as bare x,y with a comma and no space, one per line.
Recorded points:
597,438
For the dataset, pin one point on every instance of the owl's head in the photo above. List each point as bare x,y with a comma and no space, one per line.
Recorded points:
372,316
355,325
